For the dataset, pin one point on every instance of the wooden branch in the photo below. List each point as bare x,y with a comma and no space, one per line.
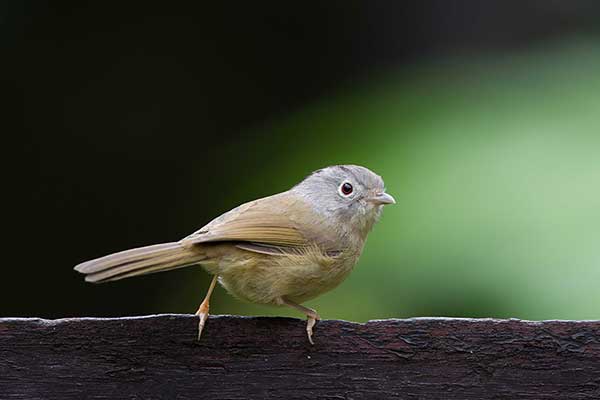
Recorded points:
241,358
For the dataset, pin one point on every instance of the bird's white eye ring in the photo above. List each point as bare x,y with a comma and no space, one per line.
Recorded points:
346,189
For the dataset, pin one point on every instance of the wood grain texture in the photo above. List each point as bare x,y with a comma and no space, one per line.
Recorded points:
244,358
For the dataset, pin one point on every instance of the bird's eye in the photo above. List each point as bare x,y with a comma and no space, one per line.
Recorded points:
346,189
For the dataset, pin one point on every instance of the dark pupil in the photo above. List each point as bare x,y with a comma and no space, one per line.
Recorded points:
346,188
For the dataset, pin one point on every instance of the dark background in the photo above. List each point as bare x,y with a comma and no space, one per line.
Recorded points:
137,123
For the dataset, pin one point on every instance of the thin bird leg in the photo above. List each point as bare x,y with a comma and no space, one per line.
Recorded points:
204,306
311,316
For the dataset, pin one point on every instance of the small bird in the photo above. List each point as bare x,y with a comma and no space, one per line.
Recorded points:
280,250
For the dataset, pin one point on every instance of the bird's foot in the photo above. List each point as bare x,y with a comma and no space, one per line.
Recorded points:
202,313
310,323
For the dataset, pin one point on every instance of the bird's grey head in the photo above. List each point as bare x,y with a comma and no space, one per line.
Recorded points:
349,195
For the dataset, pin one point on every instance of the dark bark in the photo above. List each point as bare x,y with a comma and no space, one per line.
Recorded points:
240,358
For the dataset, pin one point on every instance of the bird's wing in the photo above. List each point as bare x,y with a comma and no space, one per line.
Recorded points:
272,225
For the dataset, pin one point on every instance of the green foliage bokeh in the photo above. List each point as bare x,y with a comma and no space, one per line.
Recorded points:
495,165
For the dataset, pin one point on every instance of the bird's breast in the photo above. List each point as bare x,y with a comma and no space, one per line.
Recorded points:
298,277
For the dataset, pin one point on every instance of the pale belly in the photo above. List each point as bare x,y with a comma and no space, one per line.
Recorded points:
267,279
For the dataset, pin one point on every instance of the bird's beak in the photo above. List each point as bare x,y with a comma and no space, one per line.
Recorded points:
382,198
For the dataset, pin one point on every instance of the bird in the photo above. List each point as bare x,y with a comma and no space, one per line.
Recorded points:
281,250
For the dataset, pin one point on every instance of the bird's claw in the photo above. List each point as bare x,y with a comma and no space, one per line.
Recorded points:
202,314
310,323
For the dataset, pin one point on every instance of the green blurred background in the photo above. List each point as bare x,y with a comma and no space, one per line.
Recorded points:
138,125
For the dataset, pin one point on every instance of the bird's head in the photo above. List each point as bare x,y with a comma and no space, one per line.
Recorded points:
349,195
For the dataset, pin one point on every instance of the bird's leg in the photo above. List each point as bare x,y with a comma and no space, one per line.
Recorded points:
311,316
204,306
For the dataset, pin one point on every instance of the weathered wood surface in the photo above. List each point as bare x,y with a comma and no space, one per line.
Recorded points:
241,358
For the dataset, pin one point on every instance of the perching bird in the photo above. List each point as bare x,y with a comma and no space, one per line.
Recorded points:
283,249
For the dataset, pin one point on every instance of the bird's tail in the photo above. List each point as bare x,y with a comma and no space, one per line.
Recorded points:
140,261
